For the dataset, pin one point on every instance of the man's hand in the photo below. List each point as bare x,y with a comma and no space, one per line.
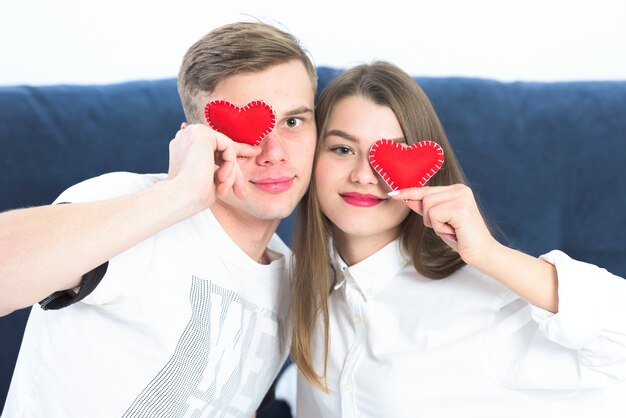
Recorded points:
205,163
35,243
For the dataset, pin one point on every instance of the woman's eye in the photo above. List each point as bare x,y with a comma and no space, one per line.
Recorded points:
293,122
341,150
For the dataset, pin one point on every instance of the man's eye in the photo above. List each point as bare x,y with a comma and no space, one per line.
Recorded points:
293,122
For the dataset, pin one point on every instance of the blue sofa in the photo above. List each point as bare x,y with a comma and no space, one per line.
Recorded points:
546,160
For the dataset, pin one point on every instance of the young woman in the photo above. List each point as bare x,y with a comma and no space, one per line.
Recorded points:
405,305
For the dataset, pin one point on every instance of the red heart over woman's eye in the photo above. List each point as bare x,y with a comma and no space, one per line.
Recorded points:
402,167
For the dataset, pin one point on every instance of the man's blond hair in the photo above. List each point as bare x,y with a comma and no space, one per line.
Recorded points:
237,48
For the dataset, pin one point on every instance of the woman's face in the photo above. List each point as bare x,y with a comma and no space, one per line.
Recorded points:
350,192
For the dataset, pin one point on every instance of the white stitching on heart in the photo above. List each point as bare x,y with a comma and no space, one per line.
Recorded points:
385,176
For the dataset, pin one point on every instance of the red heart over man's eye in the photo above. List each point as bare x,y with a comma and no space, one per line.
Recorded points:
248,124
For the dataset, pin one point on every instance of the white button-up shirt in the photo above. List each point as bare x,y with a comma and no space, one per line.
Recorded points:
402,345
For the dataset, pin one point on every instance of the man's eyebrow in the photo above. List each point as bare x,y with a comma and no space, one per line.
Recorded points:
298,111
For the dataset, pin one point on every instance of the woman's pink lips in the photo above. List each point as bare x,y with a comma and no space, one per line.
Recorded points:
274,185
361,200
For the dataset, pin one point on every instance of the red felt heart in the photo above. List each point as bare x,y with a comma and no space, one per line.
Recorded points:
248,124
402,167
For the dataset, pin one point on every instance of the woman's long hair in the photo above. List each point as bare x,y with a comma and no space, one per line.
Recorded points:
386,85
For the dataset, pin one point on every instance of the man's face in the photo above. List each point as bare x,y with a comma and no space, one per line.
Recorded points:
278,177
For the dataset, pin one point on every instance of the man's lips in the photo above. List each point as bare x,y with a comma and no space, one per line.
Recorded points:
361,200
274,184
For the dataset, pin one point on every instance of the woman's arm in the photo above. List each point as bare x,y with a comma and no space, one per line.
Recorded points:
453,214
580,336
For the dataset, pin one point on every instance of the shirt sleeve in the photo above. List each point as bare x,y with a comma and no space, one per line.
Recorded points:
582,346
65,298
591,316
122,274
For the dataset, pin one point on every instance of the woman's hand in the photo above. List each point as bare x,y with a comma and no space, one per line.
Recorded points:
454,216
452,212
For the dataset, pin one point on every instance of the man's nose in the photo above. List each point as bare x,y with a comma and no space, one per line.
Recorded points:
273,150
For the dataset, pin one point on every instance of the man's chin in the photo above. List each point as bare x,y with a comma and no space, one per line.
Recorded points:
272,214
260,212
263,206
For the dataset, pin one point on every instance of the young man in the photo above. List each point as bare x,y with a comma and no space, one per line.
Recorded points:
183,309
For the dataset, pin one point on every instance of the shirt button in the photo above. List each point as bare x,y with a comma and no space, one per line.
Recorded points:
356,319
346,387
369,291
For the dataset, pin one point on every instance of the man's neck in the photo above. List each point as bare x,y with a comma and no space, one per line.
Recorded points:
249,233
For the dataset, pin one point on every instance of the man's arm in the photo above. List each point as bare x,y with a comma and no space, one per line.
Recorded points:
49,248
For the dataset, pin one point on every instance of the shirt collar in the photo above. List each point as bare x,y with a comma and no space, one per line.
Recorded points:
372,274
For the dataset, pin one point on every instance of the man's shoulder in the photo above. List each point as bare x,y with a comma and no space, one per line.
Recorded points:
108,186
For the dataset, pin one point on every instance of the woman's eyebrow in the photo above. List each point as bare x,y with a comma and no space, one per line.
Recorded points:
341,134
352,138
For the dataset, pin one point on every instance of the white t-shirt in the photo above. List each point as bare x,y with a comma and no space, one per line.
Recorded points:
402,345
184,324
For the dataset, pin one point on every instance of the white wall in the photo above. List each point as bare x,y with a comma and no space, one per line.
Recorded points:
73,41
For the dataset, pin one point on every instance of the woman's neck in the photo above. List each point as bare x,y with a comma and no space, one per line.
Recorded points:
354,249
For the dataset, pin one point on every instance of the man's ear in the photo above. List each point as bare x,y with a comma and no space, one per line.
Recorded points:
183,125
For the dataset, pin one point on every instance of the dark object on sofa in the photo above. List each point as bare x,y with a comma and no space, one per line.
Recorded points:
546,160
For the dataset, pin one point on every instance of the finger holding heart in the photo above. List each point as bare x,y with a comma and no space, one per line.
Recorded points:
228,174
205,163
452,212
192,162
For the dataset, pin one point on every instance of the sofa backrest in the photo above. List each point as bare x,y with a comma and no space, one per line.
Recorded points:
546,160
55,136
